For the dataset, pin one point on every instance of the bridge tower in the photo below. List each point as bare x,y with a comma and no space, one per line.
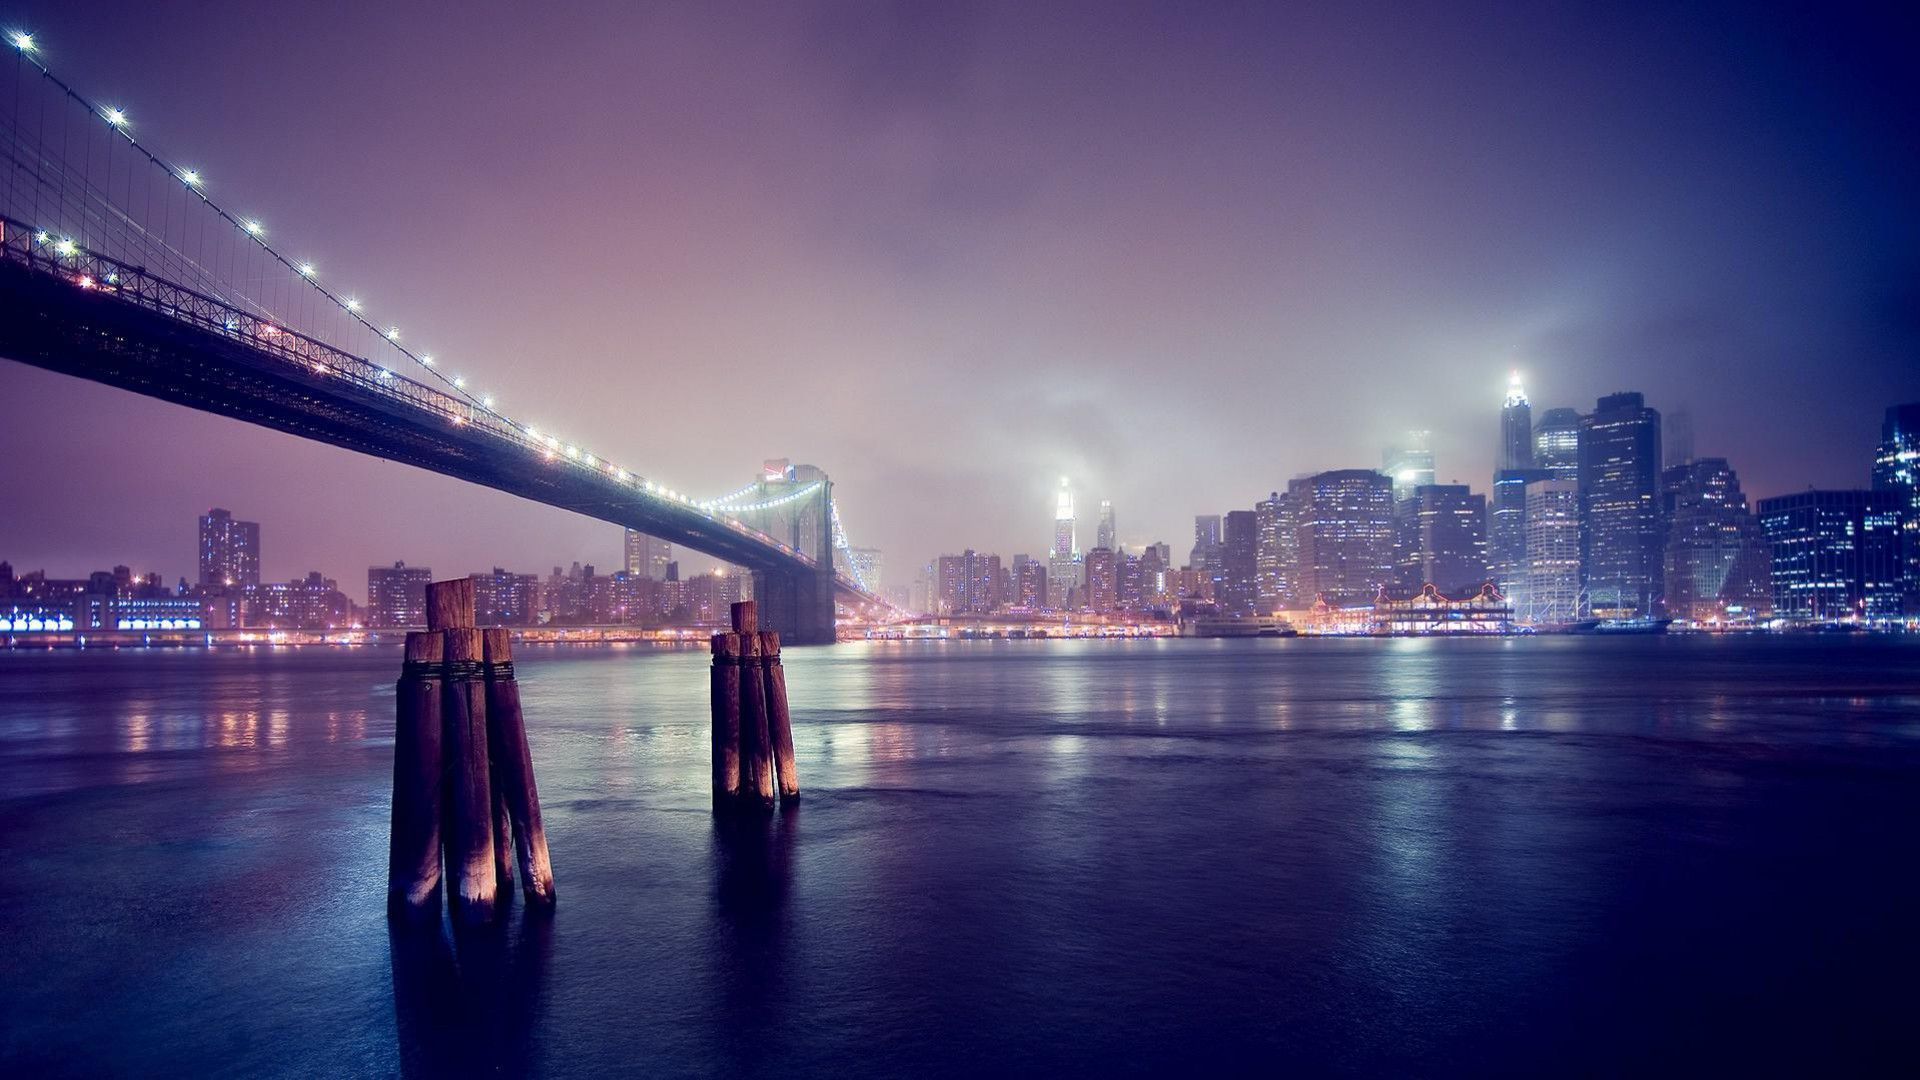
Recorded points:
797,510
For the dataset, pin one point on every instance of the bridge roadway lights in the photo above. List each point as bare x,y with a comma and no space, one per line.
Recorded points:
799,604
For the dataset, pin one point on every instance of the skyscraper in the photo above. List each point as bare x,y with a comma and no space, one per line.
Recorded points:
1063,559
1277,558
647,556
1620,534
1718,566
1206,542
1516,427
1836,555
1546,591
1896,468
1345,535
1239,563
1410,463
1556,443
229,550
1102,581
1450,533
969,583
1507,524
1104,533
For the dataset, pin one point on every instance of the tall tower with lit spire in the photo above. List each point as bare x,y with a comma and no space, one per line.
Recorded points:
1516,427
1063,562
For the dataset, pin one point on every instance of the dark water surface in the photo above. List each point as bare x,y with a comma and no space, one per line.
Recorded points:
1038,858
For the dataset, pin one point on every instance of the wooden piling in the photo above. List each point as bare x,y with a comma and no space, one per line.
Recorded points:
779,720
450,604
468,831
502,822
513,770
756,744
726,720
413,852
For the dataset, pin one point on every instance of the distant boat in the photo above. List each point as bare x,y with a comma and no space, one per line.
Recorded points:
1645,624
1216,626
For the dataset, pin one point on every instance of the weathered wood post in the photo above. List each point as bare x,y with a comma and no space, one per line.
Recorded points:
413,852
513,772
726,721
756,743
779,720
467,833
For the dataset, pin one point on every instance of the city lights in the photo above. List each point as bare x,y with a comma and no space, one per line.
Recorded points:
115,117
353,304
190,177
306,270
393,333
254,228
23,42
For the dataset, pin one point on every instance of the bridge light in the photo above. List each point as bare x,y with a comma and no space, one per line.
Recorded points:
190,177
41,237
393,333
385,374
486,402
459,383
427,359
254,228
116,117
587,459
306,270
621,476
23,42
64,247
352,304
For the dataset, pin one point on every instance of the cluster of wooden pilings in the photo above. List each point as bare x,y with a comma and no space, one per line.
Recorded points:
463,790
752,729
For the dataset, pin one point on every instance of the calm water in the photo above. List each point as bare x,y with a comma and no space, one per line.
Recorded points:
1470,857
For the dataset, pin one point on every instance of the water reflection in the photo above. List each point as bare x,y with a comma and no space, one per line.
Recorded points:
471,1004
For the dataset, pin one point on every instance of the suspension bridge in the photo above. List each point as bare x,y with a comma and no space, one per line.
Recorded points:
120,266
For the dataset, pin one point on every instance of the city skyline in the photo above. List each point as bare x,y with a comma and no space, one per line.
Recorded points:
1058,372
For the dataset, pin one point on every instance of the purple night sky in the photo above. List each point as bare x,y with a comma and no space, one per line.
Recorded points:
950,253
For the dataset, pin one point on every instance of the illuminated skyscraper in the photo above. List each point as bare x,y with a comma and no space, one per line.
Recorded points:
1620,532
647,556
1206,542
1717,562
1896,468
1450,540
1516,427
229,550
1104,534
1556,443
1238,592
1345,531
1410,464
1836,555
1063,561
1277,558
1102,581
1546,590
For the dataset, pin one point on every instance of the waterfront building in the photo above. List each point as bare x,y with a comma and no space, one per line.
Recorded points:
1836,556
397,595
1622,554
1507,525
1410,463
1029,583
310,603
1449,538
708,599
1896,468
1516,427
968,583
1102,581
1431,611
1556,444
229,550
646,555
1277,557
1344,532
504,599
1238,578
1547,590
1718,565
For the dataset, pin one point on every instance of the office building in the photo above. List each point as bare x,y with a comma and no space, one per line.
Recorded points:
1622,553
1556,444
1104,535
1277,557
1449,549
1029,583
229,551
1344,531
1410,463
1546,591
1516,427
647,556
1896,468
1206,542
1836,556
1507,524
1103,584
969,583
1238,589
1718,565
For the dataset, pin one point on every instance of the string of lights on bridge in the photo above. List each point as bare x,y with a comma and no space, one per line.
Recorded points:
552,447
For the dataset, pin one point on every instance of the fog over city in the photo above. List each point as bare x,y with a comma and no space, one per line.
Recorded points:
952,253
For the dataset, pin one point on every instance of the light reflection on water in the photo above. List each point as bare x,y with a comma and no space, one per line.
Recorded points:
1029,857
